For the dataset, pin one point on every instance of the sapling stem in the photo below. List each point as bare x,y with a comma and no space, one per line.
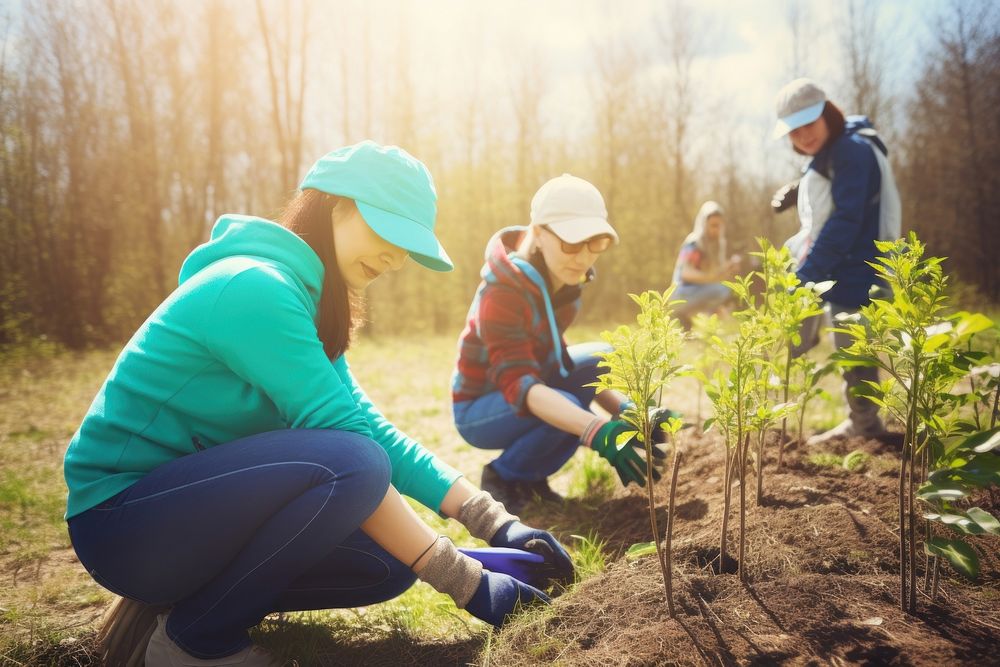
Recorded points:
743,507
726,501
784,420
760,467
661,558
996,407
909,490
670,529
934,584
902,515
975,404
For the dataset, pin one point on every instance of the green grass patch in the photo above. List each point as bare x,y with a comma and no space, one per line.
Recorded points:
591,477
826,460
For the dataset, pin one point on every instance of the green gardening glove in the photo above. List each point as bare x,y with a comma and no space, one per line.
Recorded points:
628,460
657,418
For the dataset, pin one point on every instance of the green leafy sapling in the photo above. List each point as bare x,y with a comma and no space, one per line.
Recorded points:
704,328
736,398
920,349
804,387
785,305
642,361
957,460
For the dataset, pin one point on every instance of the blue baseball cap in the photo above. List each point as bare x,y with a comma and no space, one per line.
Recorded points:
798,103
393,191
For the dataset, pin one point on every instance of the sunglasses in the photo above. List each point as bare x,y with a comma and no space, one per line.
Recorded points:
596,245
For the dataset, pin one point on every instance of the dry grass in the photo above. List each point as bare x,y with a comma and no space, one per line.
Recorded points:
48,602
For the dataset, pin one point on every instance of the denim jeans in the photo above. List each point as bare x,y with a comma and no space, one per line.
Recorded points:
532,449
232,533
699,299
863,413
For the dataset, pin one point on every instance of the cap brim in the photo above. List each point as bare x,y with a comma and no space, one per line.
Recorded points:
796,120
581,229
411,236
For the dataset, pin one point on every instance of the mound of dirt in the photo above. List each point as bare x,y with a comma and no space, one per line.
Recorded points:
821,569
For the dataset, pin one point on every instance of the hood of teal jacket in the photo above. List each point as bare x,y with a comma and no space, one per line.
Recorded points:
247,236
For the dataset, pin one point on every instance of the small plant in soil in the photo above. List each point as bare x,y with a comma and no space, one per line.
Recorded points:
804,387
785,305
704,328
762,411
642,361
923,353
959,453
735,395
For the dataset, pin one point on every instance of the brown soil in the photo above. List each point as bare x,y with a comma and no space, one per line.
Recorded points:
822,576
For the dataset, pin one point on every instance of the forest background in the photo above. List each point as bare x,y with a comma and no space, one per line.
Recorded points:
128,126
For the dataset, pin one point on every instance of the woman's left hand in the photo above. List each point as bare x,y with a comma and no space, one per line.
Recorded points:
516,535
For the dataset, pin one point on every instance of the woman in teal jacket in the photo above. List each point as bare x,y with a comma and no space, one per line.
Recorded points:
230,466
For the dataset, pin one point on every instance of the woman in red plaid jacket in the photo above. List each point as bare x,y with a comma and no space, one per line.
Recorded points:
517,386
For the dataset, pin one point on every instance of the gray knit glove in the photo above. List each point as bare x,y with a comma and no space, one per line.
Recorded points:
452,572
483,517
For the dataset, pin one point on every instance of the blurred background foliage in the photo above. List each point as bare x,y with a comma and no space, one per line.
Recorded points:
128,126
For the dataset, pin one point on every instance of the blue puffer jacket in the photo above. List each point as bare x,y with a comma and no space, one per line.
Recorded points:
846,243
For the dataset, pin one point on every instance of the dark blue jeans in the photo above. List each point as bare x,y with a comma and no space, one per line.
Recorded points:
232,533
532,449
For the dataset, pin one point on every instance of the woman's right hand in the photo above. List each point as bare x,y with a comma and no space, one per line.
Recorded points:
629,460
499,595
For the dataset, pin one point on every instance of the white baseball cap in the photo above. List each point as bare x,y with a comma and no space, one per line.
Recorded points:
572,208
798,103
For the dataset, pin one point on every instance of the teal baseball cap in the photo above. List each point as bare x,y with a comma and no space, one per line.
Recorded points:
394,193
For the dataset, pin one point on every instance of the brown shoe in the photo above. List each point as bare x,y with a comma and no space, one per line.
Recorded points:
846,429
511,494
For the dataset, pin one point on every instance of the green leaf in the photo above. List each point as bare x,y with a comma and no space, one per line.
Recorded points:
985,520
640,549
941,490
824,286
972,323
624,437
848,360
989,445
983,441
936,341
959,554
958,522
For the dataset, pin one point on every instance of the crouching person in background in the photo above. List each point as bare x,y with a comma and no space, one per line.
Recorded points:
702,265
517,386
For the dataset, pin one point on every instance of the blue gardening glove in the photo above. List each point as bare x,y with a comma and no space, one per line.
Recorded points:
629,463
498,595
522,565
557,564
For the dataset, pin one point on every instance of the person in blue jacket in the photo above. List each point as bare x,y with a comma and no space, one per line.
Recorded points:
847,199
230,465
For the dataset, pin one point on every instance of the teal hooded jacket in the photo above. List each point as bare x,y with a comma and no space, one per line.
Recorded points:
232,352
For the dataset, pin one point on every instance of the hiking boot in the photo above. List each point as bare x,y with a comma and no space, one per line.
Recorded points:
163,652
543,491
846,429
511,494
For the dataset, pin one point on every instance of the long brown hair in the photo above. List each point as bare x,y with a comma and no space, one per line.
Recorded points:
341,311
